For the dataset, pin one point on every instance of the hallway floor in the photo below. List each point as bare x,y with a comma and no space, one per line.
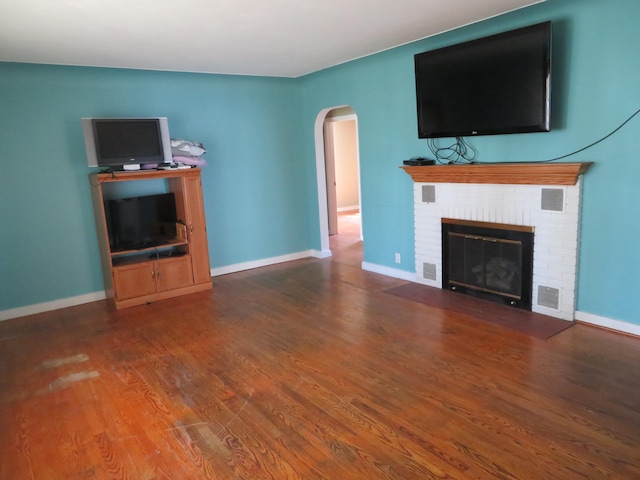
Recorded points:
346,246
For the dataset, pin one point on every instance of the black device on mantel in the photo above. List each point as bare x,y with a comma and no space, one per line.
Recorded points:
418,162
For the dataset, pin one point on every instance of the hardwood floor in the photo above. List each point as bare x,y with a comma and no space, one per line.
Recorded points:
308,370
346,246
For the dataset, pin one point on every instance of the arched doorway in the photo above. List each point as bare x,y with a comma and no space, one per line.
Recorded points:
337,168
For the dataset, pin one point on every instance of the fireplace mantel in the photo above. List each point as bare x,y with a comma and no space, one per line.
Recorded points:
500,173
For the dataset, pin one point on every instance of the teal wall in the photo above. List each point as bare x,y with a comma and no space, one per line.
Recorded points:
254,186
596,86
260,185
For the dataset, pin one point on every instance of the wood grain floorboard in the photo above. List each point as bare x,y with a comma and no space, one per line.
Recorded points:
308,370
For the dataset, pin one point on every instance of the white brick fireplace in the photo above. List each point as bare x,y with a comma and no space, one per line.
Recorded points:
551,207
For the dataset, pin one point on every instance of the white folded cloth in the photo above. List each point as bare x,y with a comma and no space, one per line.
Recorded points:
186,148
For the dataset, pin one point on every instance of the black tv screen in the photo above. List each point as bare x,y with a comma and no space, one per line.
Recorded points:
493,85
142,222
116,142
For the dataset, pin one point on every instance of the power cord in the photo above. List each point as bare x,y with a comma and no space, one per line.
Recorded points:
594,143
615,130
459,151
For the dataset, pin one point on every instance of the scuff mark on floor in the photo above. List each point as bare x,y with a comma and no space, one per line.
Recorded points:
57,362
67,380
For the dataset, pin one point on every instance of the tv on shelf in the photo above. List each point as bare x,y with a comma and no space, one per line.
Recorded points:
127,143
499,84
142,222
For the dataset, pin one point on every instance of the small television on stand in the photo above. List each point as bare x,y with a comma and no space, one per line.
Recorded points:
127,143
142,222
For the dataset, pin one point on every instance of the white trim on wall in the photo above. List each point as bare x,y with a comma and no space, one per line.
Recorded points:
96,296
609,323
321,175
589,318
264,262
389,272
348,209
342,118
322,179
53,305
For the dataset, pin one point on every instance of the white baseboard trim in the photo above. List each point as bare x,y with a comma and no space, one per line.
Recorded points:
347,209
94,297
53,305
389,272
609,323
620,326
264,262
321,253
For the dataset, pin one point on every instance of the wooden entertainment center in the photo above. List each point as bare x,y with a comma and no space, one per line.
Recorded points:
177,267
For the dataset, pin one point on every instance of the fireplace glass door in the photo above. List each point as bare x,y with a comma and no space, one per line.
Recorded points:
494,263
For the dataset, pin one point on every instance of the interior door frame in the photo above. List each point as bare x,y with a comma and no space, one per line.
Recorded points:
330,172
321,176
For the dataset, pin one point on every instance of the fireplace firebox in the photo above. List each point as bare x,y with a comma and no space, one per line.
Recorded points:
488,260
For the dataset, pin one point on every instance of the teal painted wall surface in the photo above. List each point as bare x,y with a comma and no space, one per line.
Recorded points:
596,86
254,184
260,185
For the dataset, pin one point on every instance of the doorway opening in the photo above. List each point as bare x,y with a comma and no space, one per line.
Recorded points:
338,176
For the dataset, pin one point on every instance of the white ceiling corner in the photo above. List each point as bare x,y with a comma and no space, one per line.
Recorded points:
282,38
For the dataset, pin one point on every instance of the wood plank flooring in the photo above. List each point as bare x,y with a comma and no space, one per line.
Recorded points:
308,370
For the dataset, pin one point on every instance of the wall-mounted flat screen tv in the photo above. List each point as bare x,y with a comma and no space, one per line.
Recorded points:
493,85
122,142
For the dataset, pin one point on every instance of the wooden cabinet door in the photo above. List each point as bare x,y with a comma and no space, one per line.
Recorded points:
197,229
172,273
134,280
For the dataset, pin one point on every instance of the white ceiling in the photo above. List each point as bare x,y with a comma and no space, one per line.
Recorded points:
283,38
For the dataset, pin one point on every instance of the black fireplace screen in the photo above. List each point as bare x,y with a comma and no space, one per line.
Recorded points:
488,260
